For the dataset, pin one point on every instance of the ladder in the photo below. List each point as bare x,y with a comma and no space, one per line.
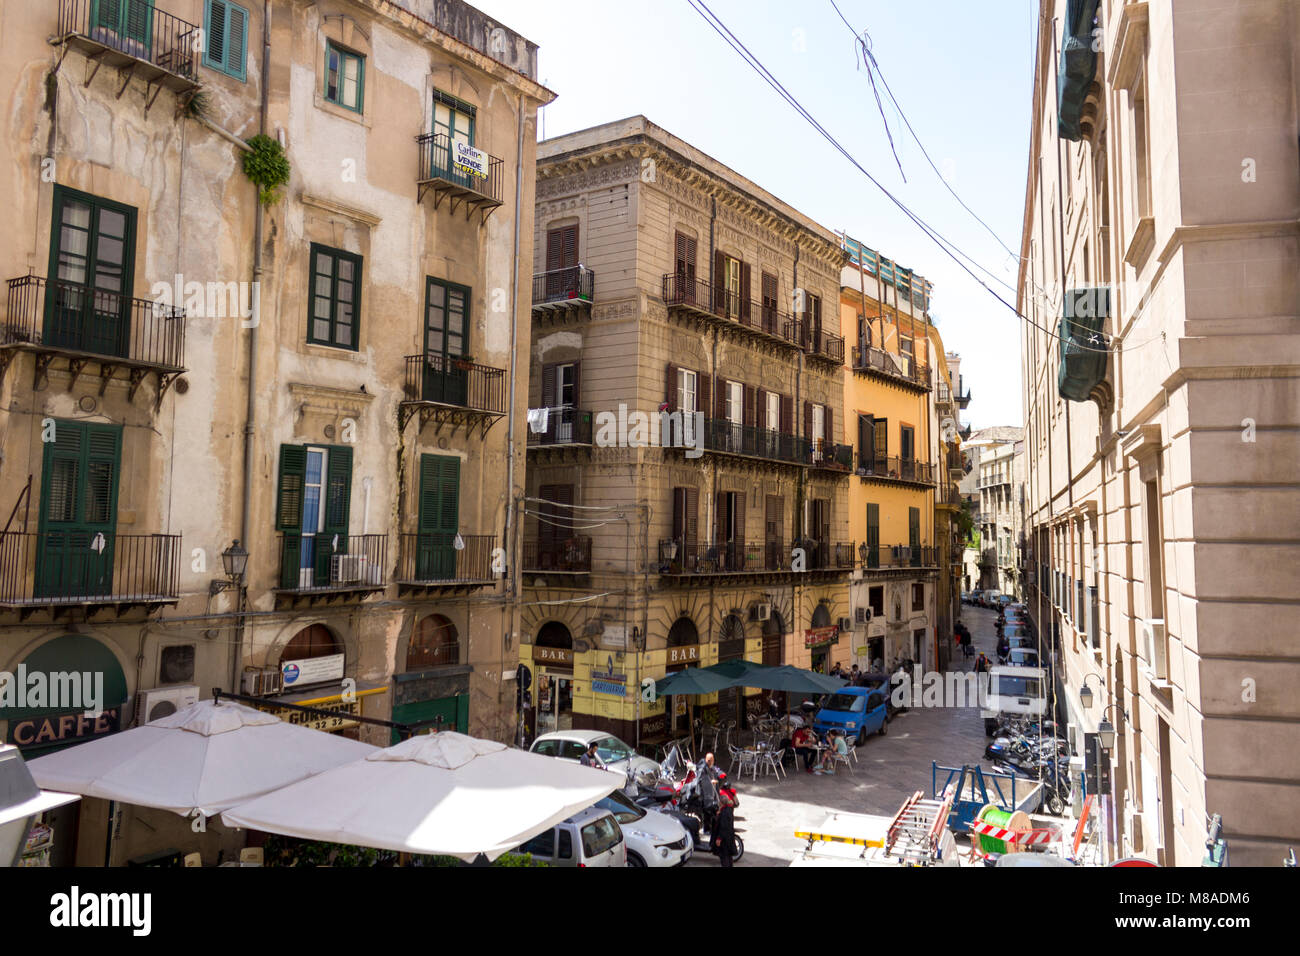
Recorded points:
918,826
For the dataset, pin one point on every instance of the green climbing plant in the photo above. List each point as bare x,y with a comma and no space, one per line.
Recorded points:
267,166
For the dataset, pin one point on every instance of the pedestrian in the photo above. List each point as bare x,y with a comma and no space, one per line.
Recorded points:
723,839
981,664
804,742
854,675
590,758
707,776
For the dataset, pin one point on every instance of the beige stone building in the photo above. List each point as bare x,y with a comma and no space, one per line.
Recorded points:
1160,357
328,380
668,282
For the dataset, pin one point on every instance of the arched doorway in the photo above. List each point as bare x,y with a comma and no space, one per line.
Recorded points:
315,640
683,651
312,656
553,656
433,687
821,650
434,643
774,640
731,647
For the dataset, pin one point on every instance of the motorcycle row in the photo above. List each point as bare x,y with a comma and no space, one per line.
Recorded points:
1037,749
675,790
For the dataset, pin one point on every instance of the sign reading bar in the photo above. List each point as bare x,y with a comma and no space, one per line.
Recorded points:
471,160
819,636
553,655
684,655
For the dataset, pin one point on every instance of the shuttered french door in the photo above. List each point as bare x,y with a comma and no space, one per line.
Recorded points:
313,500
684,267
439,515
78,522
562,263
873,535
446,335
117,22
92,253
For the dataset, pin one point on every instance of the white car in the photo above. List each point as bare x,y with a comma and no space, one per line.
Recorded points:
572,744
653,838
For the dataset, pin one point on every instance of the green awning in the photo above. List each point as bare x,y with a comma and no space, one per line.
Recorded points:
70,654
1084,349
1078,67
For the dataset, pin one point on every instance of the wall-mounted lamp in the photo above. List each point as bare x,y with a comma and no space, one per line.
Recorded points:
234,562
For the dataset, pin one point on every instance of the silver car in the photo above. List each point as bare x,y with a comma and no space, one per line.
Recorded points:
590,837
614,754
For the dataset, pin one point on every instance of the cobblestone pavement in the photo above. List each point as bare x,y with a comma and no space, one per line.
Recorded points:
890,769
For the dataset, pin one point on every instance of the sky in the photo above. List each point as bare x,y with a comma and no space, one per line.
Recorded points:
962,73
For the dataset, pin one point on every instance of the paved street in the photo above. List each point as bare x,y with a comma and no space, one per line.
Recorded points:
890,769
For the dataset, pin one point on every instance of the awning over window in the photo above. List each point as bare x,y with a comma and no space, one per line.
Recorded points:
1084,349
1078,66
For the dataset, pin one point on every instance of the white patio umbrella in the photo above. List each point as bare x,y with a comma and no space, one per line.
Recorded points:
206,757
445,794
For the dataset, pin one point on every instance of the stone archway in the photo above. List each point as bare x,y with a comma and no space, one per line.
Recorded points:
435,642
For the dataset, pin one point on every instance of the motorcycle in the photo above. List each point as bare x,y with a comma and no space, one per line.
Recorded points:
688,802
1054,776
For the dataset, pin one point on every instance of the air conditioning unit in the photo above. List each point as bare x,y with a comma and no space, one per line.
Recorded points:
762,612
159,702
354,569
261,681
1151,644
846,624
862,615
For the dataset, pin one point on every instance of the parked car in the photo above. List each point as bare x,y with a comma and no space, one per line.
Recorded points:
857,711
653,838
989,598
1023,657
1004,601
1016,629
975,597
590,837
572,744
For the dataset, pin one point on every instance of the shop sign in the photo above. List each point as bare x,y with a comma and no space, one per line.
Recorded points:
471,160
553,655
318,722
821,636
62,728
689,654
312,670
607,682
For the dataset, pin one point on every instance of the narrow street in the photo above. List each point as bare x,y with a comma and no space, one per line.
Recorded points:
890,769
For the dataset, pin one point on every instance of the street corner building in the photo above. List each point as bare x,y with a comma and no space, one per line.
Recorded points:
671,290
1161,364
262,437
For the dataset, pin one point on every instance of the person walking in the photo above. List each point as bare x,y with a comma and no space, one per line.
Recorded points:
723,841
708,783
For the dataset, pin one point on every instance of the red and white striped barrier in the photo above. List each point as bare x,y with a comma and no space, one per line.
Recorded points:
1023,837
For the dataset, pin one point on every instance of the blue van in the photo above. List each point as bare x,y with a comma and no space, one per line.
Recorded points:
858,712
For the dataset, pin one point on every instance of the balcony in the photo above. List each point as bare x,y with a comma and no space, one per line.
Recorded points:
59,570
332,565
898,369
122,336
429,560
557,556
724,437
821,345
947,497
963,399
700,300
890,557
827,456
565,427
681,557
460,174
134,38
563,291
452,391
895,469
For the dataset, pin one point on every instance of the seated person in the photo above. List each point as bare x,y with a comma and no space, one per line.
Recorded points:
804,742
838,745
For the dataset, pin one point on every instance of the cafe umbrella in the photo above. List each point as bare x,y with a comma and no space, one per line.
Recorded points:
444,794
204,758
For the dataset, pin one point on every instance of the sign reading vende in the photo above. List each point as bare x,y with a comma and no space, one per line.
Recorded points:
471,160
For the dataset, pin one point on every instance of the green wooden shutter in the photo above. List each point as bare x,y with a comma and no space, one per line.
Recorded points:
293,475
338,494
226,32
215,34
79,502
137,22
236,41
873,535
439,515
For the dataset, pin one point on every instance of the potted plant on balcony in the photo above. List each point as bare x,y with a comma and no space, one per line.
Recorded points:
464,363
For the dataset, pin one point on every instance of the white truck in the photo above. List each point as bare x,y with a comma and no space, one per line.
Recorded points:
1013,692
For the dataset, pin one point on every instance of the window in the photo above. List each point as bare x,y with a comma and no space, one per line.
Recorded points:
873,537
735,403
876,598
454,119
92,246
344,77
79,483
541,845
773,418
438,518
1142,149
918,597
686,390
312,503
335,297
731,282
684,266
225,28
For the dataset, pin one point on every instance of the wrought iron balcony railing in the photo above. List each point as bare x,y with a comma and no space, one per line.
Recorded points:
821,344
572,555
703,298
828,456
431,377
728,438
45,569
893,468
333,562
900,368
888,556
576,283
431,557
75,318
446,170
564,426
683,556
134,30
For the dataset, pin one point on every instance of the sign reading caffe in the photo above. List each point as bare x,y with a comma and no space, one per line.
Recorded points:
57,729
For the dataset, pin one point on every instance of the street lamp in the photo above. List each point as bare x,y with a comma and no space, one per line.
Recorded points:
1085,692
1106,733
234,562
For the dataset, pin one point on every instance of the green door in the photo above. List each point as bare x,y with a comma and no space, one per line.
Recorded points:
312,504
78,522
118,22
92,251
435,556
454,712
445,334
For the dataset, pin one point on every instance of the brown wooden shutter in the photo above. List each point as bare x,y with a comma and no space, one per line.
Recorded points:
719,281
747,403
569,246
769,302
720,398
740,521
692,518
744,292
554,250
830,427
577,384
679,514
787,415
807,420
548,386
703,394
670,387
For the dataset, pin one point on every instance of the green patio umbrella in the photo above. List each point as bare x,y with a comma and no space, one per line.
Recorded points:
791,679
736,669
691,681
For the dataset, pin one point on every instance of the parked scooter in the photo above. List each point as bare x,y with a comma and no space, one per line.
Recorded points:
688,802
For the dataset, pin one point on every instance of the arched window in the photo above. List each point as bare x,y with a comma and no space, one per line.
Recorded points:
554,634
821,617
434,643
316,640
683,633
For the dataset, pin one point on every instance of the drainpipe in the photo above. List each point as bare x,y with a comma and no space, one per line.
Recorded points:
250,412
513,558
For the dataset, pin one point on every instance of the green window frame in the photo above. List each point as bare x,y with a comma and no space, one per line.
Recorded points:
225,32
453,118
344,71
129,19
334,297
